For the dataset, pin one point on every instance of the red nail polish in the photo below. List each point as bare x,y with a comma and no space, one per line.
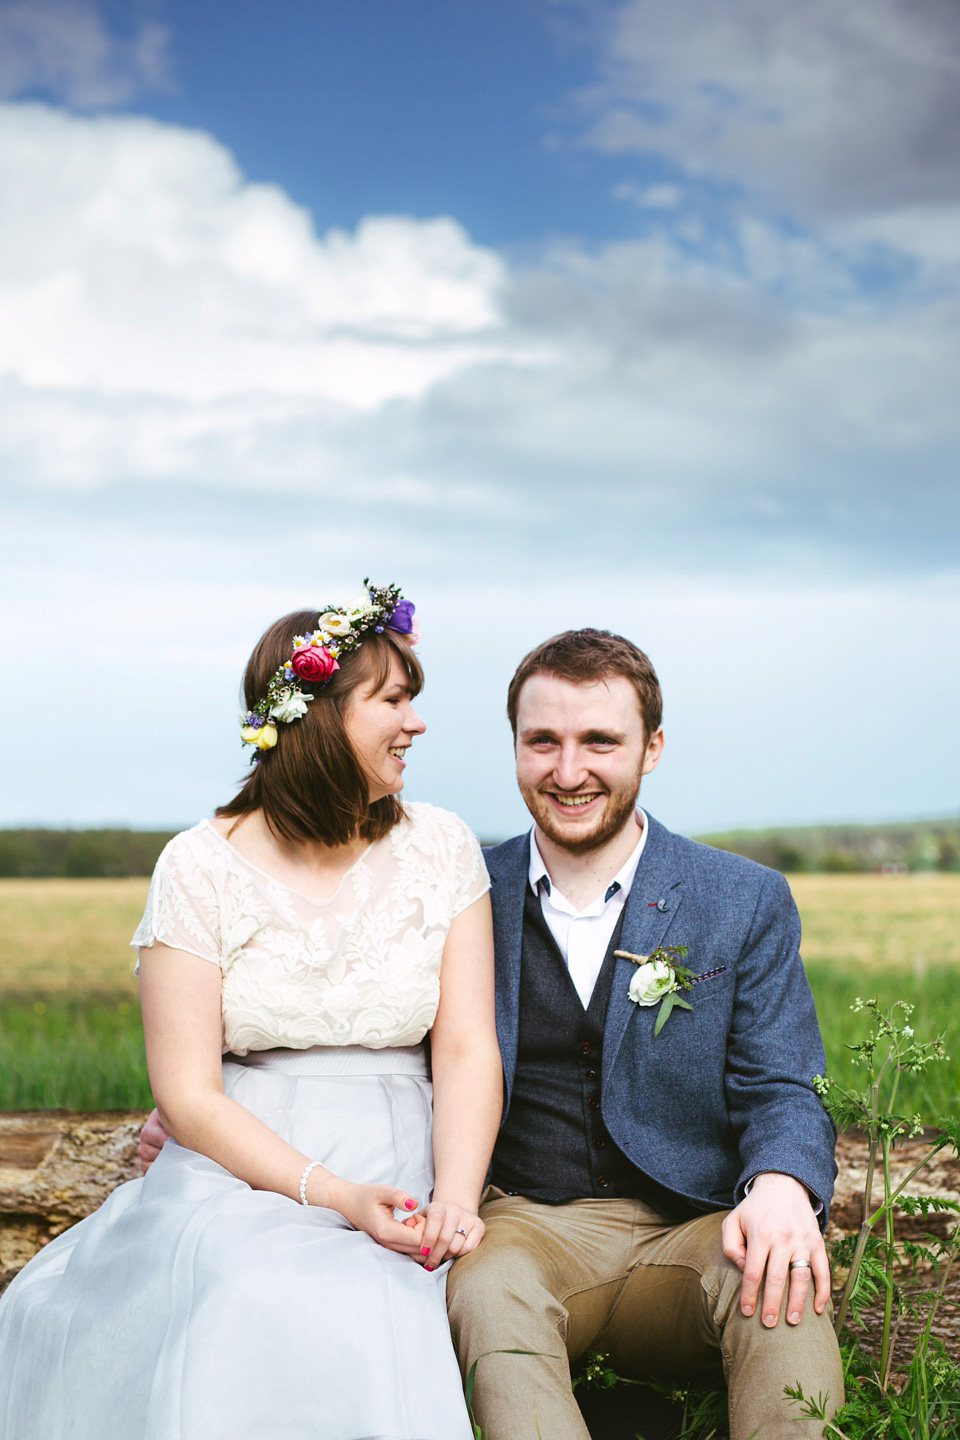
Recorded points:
425,1250
431,1268
410,1204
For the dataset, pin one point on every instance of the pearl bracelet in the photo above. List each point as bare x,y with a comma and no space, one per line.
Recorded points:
303,1181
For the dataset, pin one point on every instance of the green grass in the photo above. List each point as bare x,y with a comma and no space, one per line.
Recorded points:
72,1052
70,1030
936,997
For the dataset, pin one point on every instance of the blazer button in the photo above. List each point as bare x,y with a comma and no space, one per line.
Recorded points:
593,1103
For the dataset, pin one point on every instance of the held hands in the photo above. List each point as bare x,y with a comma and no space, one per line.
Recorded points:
430,1236
772,1226
450,1230
370,1208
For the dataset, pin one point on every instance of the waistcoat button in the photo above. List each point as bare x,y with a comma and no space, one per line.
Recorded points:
602,1180
592,1075
585,1047
593,1103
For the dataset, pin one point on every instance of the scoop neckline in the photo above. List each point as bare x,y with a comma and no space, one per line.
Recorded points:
274,880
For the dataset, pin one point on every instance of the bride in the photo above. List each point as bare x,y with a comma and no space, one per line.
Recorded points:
280,1270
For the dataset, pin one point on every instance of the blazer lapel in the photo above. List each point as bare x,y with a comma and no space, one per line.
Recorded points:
508,866
651,908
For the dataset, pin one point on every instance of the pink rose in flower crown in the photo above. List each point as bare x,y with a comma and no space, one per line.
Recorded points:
314,663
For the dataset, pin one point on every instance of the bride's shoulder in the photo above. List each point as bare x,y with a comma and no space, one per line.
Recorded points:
421,817
431,830
190,848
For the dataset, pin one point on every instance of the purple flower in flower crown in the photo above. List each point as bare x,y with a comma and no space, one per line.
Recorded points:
402,618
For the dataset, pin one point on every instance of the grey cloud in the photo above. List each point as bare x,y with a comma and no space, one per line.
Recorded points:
836,109
63,48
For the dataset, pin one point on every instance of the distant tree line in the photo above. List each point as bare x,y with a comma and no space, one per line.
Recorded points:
83,854
840,849
850,849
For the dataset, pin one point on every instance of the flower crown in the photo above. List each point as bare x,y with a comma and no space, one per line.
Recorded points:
316,656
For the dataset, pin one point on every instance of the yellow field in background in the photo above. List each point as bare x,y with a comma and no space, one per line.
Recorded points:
908,922
69,936
72,936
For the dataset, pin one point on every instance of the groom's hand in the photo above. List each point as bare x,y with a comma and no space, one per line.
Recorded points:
153,1137
772,1226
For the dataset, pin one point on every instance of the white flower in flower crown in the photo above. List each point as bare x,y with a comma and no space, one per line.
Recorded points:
334,624
290,705
358,604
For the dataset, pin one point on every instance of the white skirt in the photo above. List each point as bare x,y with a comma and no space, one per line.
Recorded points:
190,1307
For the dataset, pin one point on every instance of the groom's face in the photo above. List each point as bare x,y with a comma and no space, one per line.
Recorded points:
581,753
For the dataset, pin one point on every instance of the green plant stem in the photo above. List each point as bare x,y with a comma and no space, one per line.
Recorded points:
885,1377
865,1226
908,1177
888,1265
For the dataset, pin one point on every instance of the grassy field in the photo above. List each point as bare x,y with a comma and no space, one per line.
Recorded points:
70,1030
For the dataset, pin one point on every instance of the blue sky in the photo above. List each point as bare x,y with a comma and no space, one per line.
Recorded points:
639,314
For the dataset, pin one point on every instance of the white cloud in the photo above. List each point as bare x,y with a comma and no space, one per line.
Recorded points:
63,48
140,262
166,322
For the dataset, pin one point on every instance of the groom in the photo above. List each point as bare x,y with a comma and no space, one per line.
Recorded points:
656,1196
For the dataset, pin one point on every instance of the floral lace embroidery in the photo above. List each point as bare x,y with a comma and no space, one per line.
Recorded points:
362,968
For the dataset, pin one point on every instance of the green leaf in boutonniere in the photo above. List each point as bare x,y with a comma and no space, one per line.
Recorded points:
659,979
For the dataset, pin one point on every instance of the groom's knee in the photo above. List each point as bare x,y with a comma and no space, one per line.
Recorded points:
499,1291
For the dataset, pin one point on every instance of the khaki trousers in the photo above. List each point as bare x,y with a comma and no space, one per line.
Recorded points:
661,1299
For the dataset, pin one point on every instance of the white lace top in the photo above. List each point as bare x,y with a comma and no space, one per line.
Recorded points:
359,968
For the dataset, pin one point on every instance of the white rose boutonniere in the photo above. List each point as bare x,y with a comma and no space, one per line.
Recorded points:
660,978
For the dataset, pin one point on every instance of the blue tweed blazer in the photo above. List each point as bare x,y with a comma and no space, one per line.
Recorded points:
724,1091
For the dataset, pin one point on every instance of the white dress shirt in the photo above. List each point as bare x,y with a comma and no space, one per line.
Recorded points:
582,936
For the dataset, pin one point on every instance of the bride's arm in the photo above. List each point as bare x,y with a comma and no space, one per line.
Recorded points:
180,998
467,1084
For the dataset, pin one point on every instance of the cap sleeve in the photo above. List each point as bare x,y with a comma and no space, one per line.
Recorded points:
470,878
183,908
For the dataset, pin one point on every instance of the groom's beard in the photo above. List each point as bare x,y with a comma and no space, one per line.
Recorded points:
578,838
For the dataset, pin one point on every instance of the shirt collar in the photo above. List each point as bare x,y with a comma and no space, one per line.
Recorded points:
538,873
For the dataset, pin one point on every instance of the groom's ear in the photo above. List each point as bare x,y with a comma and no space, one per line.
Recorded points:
651,757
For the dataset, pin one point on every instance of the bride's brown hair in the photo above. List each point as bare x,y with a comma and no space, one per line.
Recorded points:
311,785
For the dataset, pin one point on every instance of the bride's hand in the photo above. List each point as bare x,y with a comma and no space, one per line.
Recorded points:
451,1230
370,1208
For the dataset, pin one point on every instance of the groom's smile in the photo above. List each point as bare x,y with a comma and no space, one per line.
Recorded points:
581,753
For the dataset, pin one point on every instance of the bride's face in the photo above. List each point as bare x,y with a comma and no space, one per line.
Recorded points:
381,723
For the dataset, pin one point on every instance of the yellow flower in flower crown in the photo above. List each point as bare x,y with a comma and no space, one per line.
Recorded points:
263,736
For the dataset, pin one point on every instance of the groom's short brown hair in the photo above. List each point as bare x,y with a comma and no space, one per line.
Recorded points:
586,657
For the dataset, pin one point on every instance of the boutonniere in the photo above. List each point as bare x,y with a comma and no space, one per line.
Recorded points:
660,977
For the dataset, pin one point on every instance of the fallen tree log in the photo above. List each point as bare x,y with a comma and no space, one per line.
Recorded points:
55,1168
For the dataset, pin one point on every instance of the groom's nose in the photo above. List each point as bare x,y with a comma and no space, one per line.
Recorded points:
570,771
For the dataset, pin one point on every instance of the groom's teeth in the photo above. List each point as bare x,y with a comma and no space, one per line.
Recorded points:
573,800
